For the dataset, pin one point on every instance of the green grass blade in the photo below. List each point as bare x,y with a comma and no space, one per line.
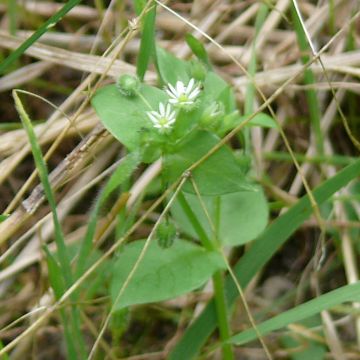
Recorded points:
259,254
76,340
44,177
139,6
347,293
57,284
37,34
55,278
147,45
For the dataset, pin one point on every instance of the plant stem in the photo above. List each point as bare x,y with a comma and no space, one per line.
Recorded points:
222,315
220,300
201,233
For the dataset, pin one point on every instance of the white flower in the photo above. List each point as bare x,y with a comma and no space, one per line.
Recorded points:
162,119
183,95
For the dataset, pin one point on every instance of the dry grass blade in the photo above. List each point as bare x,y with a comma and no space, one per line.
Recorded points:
78,61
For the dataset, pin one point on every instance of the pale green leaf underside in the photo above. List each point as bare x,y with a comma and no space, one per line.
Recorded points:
243,215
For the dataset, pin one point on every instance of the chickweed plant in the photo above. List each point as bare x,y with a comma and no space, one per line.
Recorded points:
186,211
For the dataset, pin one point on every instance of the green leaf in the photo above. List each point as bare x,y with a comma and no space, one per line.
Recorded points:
261,251
219,174
147,45
139,5
241,217
55,277
227,98
171,69
163,273
198,49
347,293
261,119
214,85
125,116
3,217
216,89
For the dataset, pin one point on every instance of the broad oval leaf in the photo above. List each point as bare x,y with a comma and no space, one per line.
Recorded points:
214,85
163,273
219,174
241,216
125,116
172,69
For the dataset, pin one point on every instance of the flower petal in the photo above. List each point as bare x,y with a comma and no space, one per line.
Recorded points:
152,117
167,110
172,115
180,88
162,109
172,89
194,93
172,95
190,86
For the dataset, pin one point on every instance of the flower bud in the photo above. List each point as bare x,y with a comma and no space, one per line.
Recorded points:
166,234
197,70
212,114
128,85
